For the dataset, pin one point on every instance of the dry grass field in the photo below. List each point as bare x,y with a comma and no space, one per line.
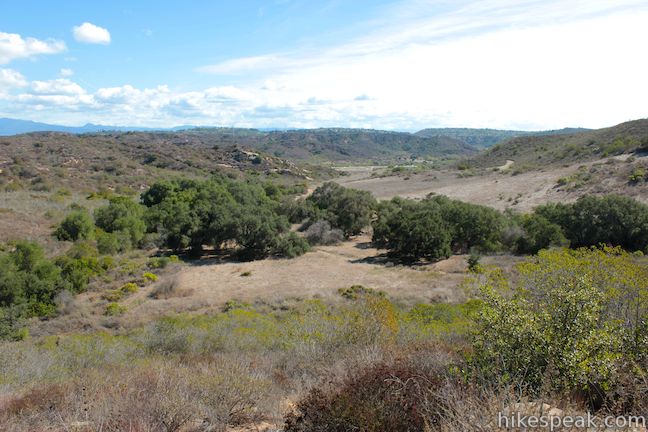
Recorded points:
206,286
502,187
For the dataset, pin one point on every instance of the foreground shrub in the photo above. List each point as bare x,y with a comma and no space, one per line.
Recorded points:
395,396
575,319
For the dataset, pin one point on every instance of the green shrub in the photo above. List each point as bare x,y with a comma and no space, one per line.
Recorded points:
149,277
637,175
538,233
114,309
76,226
129,288
109,243
575,318
347,209
473,263
291,245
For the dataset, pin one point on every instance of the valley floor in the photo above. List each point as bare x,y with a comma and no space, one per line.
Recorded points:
499,187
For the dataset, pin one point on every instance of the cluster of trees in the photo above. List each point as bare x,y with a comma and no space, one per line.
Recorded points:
30,282
190,214
436,227
611,219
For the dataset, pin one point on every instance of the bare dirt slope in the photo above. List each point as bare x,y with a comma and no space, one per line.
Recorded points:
501,187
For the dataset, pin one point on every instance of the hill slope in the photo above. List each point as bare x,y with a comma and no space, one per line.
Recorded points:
541,150
43,160
319,145
483,138
338,145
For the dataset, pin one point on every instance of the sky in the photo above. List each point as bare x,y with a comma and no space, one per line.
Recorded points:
396,65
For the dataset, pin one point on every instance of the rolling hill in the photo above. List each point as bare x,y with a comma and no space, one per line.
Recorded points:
132,160
542,150
338,145
484,138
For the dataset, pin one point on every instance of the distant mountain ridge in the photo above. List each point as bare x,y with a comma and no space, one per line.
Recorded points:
9,126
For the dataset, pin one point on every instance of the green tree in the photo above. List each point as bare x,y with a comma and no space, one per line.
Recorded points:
347,209
611,219
78,225
538,233
122,215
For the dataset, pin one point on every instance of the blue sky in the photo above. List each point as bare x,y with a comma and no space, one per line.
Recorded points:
402,65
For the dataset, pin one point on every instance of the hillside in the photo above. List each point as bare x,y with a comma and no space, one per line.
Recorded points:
533,151
46,160
484,138
338,145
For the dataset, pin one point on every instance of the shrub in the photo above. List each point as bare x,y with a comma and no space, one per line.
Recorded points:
109,243
637,175
77,225
149,277
129,288
29,281
114,309
396,396
191,214
414,231
291,245
355,292
575,318
321,233
538,233
473,263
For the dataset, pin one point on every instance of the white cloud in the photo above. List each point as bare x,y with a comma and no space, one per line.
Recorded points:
9,80
497,63
492,63
12,78
243,64
13,46
59,86
66,72
91,34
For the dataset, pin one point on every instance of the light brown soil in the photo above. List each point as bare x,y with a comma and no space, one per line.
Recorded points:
496,187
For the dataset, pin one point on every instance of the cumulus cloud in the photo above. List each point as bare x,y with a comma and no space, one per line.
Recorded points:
14,46
10,79
491,63
60,86
91,34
